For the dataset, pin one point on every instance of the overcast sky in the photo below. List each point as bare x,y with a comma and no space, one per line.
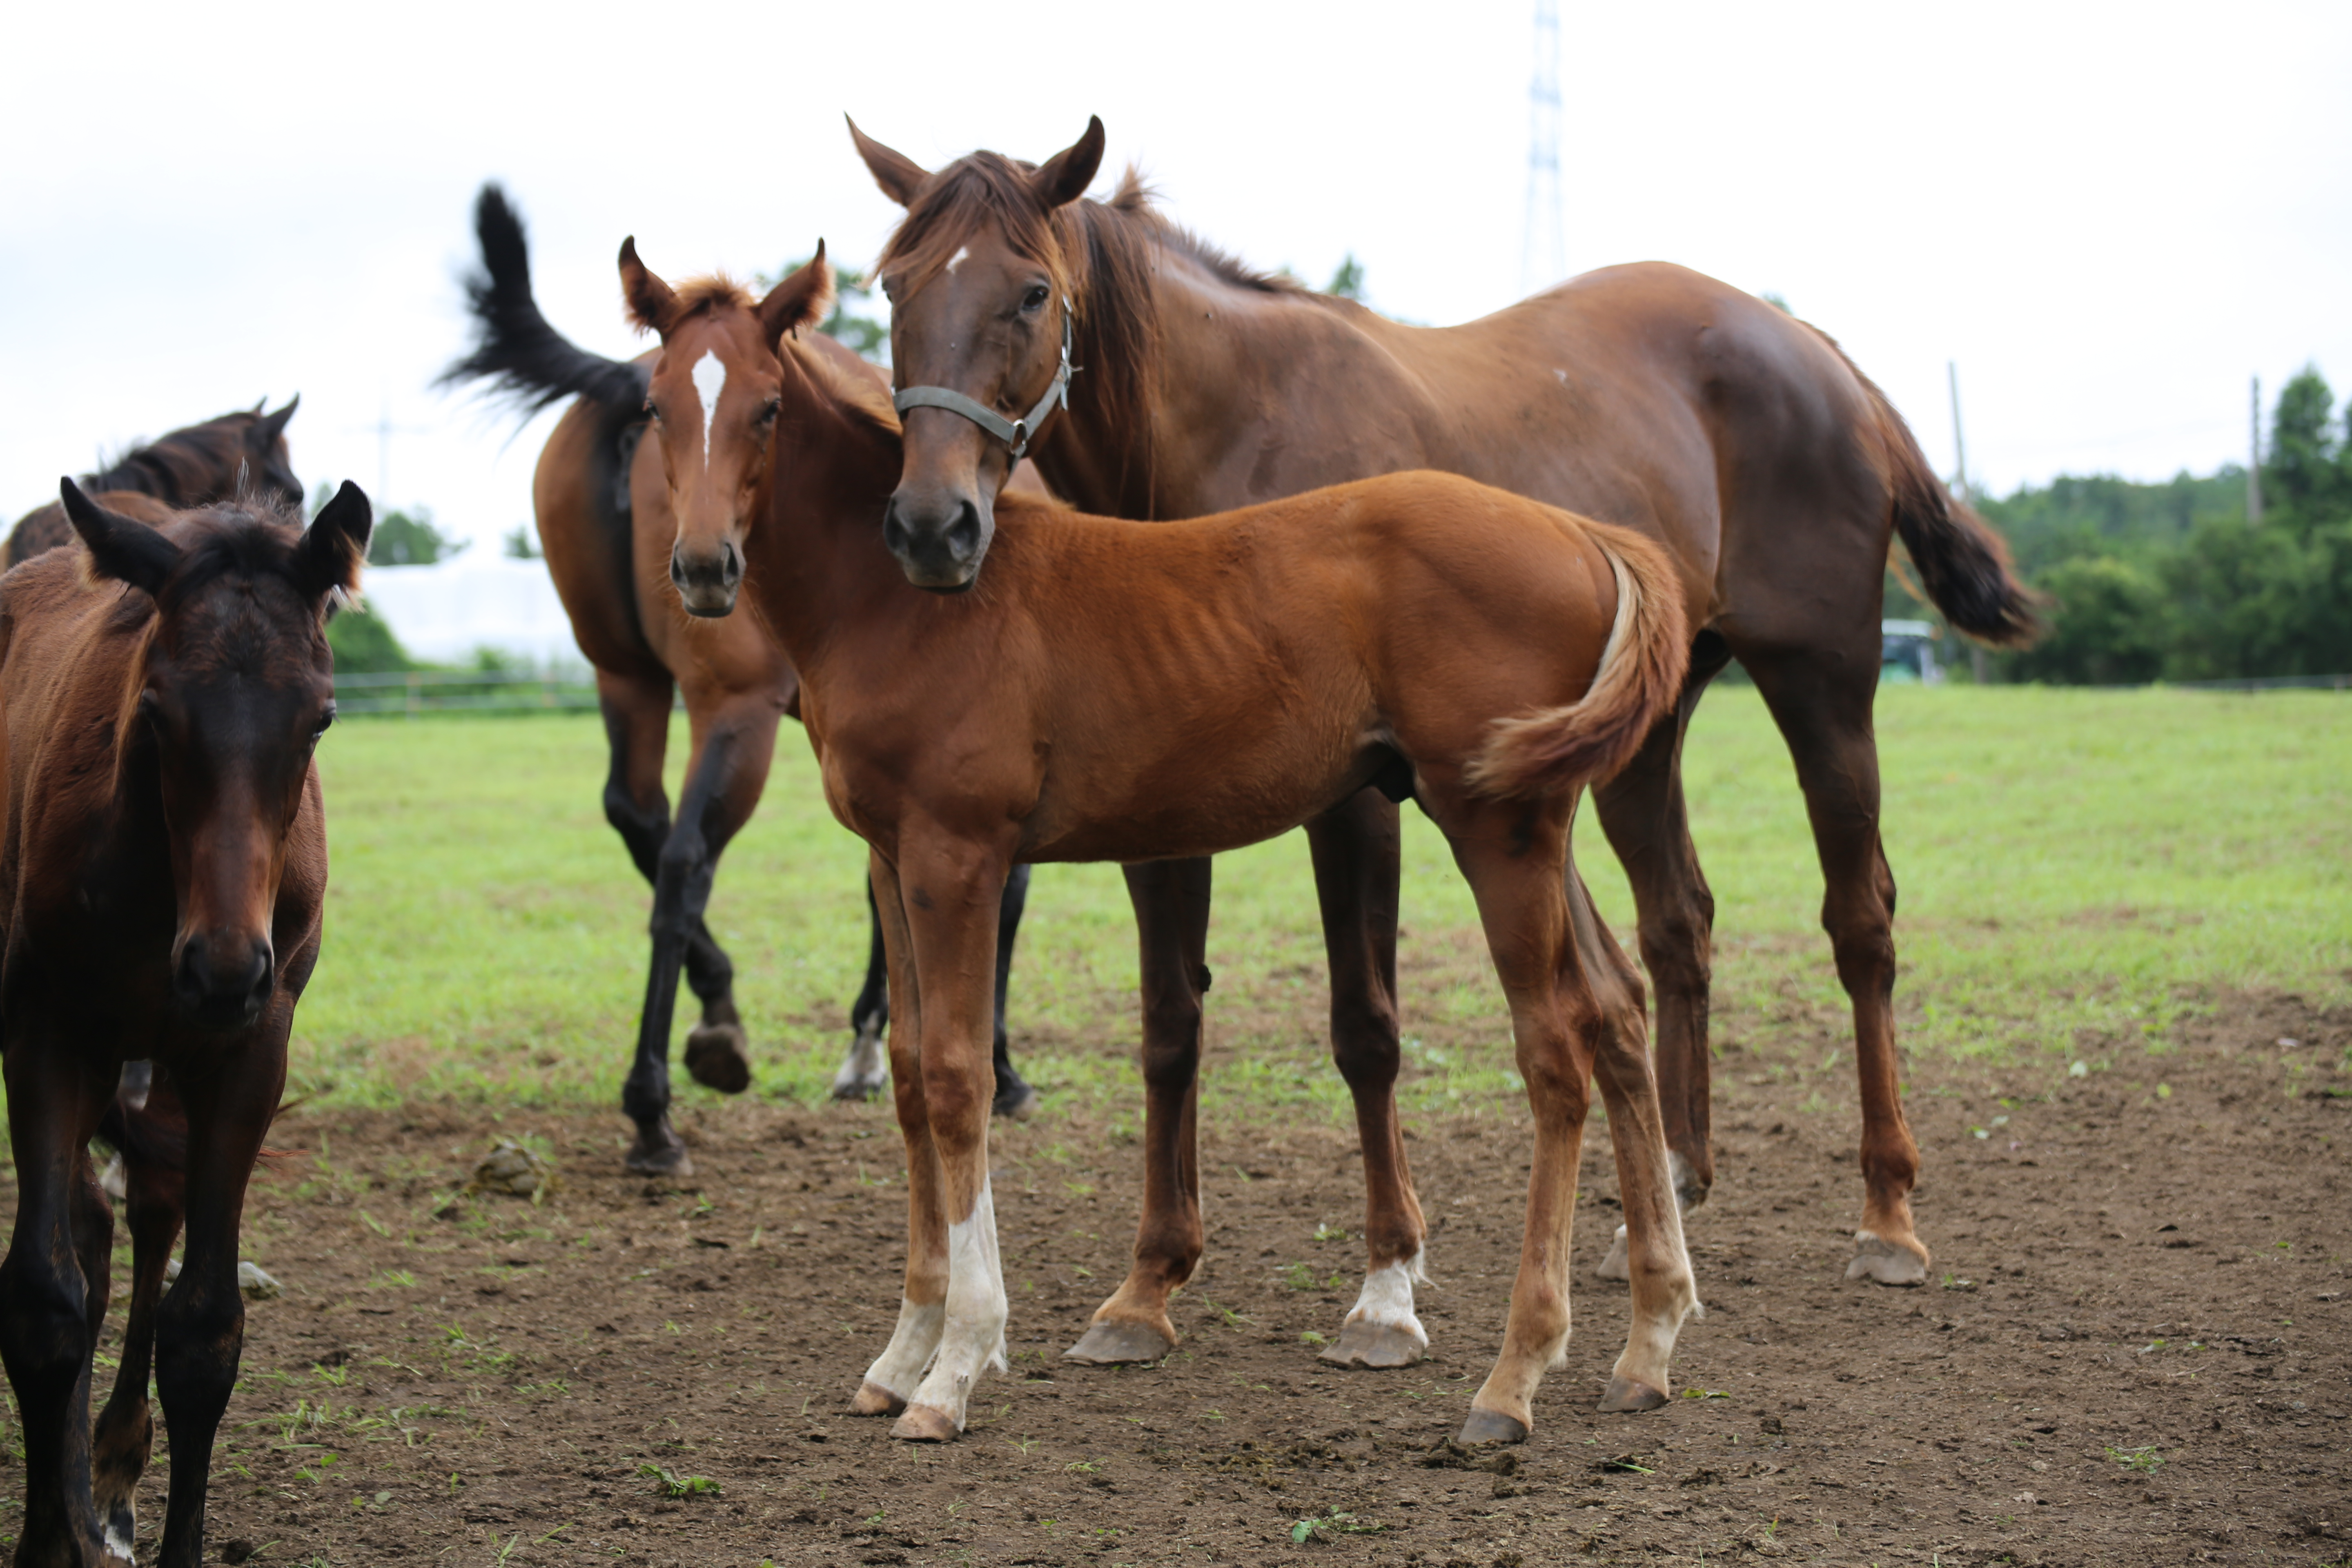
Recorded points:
2110,217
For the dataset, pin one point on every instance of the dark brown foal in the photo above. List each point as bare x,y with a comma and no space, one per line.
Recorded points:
1772,472
161,873
236,454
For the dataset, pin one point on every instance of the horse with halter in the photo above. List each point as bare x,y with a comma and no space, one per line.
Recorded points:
219,460
1771,471
604,524
163,869
1142,694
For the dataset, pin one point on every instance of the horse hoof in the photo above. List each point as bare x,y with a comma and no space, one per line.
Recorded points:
1885,1262
1491,1427
647,1157
1119,1344
1378,1345
1017,1104
1615,1266
873,1399
921,1424
717,1057
1626,1396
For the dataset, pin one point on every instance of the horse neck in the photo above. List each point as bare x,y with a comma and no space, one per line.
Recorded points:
816,555
1215,384
177,469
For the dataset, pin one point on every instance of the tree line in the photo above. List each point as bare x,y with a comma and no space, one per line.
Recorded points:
2172,581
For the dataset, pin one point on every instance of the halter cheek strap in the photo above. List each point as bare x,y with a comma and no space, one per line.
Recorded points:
1015,434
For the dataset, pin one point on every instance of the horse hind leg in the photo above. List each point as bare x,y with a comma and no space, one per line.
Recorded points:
1643,813
1356,855
1015,1101
1664,1286
1823,711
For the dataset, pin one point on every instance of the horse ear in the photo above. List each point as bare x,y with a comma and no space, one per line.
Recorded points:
328,559
899,176
121,547
802,300
1065,176
271,427
651,301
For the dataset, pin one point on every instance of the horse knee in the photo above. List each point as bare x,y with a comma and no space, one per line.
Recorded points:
1677,945
1365,1040
198,1336
43,1320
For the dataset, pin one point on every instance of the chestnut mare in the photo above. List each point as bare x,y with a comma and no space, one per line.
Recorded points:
604,522
162,874
1743,441
216,460
1111,692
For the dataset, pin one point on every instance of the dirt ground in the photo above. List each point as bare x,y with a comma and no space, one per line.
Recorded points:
2139,1348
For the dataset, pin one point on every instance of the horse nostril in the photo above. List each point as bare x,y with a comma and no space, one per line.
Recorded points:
731,565
963,535
677,570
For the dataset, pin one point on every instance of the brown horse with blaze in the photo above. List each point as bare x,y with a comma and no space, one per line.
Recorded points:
161,875
1741,441
1110,692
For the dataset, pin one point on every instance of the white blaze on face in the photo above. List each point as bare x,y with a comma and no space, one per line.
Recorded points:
957,260
709,380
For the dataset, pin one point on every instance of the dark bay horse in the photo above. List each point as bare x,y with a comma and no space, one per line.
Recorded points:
1744,442
1113,692
163,867
604,524
207,462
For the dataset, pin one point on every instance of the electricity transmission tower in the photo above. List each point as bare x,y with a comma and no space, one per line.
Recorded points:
1543,255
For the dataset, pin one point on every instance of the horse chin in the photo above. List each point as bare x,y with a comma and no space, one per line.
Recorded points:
950,590
709,611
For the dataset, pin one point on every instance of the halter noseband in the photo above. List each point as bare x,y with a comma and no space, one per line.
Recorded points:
1015,434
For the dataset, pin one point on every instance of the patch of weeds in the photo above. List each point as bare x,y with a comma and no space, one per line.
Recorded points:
2144,1461
1328,1526
1326,1231
670,1483
1300,1277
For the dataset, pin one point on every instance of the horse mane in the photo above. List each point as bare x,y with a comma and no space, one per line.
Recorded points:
252,537
861,397
700,296
1101,256
184,466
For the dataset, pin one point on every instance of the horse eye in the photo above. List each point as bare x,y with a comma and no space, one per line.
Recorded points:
651,412
1035,298
326,722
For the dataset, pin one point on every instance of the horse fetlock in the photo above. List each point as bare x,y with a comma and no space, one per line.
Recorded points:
658,1149
899,1368
1690,1187
1617,1265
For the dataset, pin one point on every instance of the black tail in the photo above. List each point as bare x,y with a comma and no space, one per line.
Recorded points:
524,359
1963,563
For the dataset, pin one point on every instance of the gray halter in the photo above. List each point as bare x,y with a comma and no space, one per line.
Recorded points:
1015,434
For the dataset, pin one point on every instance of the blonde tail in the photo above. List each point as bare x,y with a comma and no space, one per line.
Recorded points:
1639,681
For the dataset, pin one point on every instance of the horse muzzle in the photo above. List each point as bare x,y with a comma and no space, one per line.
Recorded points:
222,979
938,538
707,579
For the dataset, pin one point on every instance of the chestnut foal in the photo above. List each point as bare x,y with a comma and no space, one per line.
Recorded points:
1115,692
161,873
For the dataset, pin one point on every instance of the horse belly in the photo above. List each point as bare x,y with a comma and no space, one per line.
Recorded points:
1192,800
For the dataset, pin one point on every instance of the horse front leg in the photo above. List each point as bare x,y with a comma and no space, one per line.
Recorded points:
891,1381
948,894
47,1299
1172,922
200,1323
865,1067
637,727
155,1197
1356,855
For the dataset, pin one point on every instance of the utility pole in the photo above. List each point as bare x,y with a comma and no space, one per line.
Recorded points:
1959,448
2254,456
1543,253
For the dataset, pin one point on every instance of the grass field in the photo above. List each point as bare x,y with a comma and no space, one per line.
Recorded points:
2076,867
